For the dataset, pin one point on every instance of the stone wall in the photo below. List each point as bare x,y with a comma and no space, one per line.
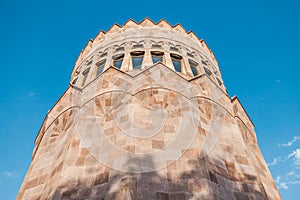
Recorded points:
152,135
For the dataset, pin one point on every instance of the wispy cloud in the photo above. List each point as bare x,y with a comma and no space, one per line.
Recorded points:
285,181
10,174
31,93
280,184
295,155
290,143
279,160
283,185
292,177
274,162
294,182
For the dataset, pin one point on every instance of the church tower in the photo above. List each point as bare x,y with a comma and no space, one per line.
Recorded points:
147,116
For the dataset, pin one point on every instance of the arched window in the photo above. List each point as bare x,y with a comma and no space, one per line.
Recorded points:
100,66
157,56
118,60
85,74
220,83
207,71
74,81
137,59
194,67
156,46
177,62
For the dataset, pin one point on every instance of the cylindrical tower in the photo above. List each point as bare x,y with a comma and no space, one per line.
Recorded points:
147,116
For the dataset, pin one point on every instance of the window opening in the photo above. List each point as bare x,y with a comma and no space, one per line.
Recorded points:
100,66
138,46
85,74
137,59
174,49
194,67
176,60
74,81
157,56
103,55
207,71
220,83
120,49
118,60
190,54
156,46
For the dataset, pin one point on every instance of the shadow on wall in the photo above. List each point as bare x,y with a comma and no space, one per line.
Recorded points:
203,180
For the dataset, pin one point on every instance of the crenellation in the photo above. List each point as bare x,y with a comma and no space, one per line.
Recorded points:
140,128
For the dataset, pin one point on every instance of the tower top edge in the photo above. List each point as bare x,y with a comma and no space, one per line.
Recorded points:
145,23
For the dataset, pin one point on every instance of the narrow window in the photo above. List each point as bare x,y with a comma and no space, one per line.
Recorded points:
136,46
207,71
100,66
89,62
103,55
203,62
74,81
157,56
85,74
176,60
156,46
77,72
220,83
137,59
194,67
190,55
118,60
120,49
174,49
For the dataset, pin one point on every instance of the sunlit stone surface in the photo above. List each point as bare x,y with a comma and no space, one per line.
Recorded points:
147,116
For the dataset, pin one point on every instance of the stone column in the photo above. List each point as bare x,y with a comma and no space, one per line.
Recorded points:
147,61
126,64
185,63
92,72
108,58
168,60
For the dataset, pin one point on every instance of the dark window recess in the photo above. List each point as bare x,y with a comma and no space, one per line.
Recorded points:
157,56
194,66
103,55
194,70
137,59
220,83
86,71
74,81
118,60
100,66
174,49
203,62
120,49
100,70
156,46
89,62
85,74
193,63
207,71
190,55
176,60
138,46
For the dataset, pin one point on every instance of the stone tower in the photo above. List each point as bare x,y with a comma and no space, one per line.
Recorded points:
147,116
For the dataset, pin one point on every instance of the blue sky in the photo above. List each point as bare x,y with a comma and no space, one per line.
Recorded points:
257,45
